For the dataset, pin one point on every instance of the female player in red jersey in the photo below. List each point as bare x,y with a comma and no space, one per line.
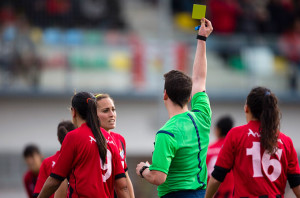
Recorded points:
62,129
262,158
83,155
106,112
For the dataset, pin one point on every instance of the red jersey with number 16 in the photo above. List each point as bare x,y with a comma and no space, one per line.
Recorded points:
45,172
113,168
80,161
256,172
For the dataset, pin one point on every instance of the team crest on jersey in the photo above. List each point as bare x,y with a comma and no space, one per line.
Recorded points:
122,153
254,134
92,139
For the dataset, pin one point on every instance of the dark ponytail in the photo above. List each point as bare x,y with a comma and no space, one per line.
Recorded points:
263,106
63,128
85,104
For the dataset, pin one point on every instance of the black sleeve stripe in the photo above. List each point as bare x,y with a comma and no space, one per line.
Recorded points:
60,178
35,194
120,176
220,173
294,180
126,169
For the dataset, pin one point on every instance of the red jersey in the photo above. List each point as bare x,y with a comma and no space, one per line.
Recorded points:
226,188
121,145
113,168
79,160
256,172
29,183
45,172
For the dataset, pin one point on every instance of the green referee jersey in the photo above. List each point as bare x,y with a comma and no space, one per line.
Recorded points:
181,147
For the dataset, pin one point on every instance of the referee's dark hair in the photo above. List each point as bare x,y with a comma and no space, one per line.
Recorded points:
63,128
85,104
30,150
224,124
178,86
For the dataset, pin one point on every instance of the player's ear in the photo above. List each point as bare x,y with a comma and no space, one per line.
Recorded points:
165,95
246,108
189,99
73,112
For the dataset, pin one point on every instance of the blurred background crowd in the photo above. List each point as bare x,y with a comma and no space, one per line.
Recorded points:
51,48
40,35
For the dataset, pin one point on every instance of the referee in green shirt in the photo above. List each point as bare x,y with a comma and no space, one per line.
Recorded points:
179,159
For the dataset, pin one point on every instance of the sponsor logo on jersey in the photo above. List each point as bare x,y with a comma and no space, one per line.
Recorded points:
92,139
254,134
53,164
108,140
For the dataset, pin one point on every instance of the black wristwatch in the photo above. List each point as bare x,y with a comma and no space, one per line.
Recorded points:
142,170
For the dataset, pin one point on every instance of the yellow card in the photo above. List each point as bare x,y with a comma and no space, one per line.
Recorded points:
198,11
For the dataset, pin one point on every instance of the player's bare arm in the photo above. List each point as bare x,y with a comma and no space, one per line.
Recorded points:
50,186
129,185
122,188
200,62
212,187
62,191
296,191
154,177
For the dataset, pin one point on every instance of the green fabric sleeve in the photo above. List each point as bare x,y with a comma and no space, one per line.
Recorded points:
164,151
200,102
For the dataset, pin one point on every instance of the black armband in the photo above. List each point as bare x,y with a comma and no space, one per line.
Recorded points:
58,177
119,176
294,180
220,173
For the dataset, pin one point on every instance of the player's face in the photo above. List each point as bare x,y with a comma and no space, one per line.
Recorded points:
106,112
34,162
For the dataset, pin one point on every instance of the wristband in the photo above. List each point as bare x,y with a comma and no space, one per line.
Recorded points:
202,38
142,170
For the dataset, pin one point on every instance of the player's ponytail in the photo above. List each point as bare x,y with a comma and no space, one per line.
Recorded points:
263,106
63,128
85,104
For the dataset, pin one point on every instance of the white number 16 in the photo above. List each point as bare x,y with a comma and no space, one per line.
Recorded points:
265,161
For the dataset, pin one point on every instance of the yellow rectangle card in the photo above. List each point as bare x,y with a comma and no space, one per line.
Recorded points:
198,11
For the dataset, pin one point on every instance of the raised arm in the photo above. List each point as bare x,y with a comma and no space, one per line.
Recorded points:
200,62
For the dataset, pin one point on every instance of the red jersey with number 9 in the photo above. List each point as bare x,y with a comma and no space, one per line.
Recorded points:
113,168
256,172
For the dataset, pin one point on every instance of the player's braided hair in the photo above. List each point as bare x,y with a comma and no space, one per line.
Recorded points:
84,103
263,106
